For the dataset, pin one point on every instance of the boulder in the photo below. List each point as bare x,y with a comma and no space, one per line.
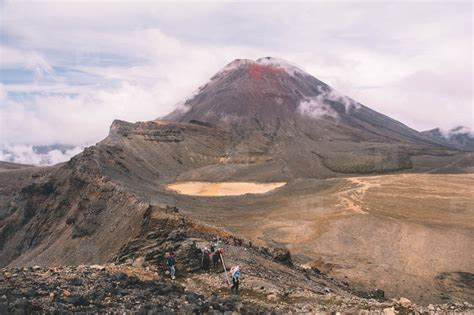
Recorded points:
404,302
76,300
138,262
281,255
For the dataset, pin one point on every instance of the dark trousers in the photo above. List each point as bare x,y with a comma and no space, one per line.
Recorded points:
215,262
206,263
235,284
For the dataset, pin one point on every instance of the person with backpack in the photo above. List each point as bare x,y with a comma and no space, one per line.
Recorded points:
206,259
235,272
216,259
171,263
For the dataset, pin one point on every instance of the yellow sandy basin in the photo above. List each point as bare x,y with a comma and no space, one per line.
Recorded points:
223,188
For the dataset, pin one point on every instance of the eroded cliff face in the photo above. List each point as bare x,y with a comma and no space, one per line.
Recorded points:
69,215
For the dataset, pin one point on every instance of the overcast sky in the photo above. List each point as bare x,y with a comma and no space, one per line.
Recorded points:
67,69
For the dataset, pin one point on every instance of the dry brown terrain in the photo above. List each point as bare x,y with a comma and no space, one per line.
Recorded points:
409,234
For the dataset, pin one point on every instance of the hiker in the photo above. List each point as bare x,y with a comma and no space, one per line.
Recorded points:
216,259
171,262
250,244
235,272
206,259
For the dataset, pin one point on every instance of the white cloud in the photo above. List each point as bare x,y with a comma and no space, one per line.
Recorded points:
26,154
24,59
460,130
78,119
424,99
3,93
314,109
319,106
335,96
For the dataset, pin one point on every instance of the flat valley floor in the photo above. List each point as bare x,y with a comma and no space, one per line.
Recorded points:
411,235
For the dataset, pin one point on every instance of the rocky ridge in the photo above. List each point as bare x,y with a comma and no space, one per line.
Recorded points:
113,288
137,280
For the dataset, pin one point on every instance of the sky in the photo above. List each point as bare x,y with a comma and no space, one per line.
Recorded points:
69,68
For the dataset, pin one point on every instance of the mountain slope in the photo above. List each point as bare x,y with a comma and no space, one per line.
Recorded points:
460,137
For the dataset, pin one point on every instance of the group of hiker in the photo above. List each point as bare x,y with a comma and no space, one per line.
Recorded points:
213,255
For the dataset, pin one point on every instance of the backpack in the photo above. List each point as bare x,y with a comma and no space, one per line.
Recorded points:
171,261
236,275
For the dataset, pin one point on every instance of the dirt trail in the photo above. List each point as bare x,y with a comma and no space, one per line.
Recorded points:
352,197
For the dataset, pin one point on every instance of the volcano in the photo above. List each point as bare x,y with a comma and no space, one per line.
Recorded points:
280,113
275,97
261,121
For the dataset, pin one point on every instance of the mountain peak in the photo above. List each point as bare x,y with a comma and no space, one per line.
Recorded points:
460,137
258,68
270,90
280,63
449,133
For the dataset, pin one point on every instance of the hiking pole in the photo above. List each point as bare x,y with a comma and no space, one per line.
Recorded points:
225,270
